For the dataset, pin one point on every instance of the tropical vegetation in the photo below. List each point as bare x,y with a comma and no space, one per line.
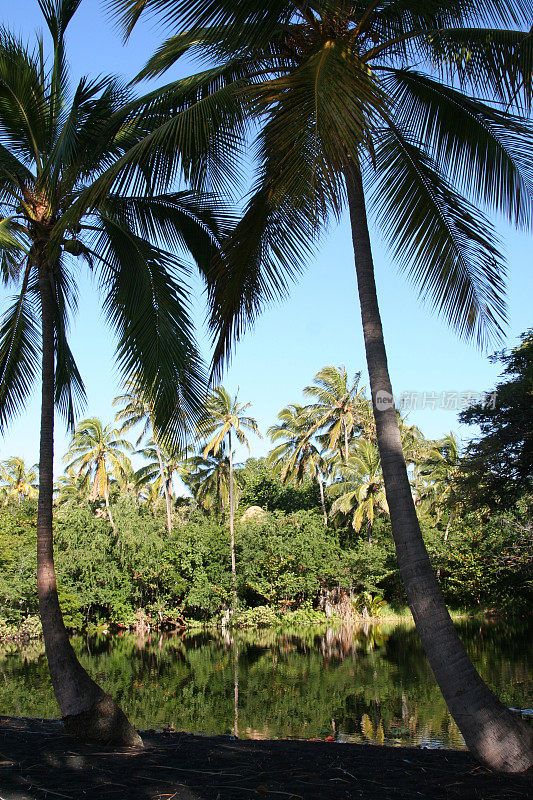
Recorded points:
414,111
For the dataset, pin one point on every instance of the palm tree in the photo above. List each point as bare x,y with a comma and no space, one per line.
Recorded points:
161,468
76,188
339,406
416,105
72,488
297,458
96,451
360,491
415,450
223,416
441,469
139,410
208,478
18,480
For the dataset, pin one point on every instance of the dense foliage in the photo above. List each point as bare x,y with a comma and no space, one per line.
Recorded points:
311,521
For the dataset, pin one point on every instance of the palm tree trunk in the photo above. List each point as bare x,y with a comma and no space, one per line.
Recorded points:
345,441
86,710
490,730
108,509
231,533
447,531
165,487
322,500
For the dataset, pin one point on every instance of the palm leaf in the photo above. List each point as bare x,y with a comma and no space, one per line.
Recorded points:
445,244
19,355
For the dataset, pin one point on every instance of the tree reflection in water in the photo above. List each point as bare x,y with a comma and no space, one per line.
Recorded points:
362,684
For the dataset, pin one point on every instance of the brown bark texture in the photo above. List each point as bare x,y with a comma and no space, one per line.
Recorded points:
86,709
492,732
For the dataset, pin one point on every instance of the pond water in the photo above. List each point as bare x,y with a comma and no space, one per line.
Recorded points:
363,685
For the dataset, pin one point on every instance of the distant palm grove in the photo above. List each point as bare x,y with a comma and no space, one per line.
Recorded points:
151,547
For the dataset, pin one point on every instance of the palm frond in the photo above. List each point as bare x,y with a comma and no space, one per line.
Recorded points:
486,148
19,355
448,247
148,308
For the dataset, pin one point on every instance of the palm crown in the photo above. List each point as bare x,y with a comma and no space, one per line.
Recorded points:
18,480
223,416
97,451
56,144
417,95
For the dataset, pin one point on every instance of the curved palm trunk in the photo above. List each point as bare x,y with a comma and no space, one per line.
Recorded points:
322,500
108,509
490,730
86,710
231,533
447,531
346,450
165,485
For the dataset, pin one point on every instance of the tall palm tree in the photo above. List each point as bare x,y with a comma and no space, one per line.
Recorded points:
98,452
360,490
76,188
297,457
139,410
224,416
339,406
208,478
441,469
163,464
18,480
418,106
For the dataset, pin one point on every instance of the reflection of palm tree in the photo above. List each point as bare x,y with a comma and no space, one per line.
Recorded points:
96,452
339,408
18,480
360,491
297,457
222,417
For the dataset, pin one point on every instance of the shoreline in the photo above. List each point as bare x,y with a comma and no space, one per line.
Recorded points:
40,760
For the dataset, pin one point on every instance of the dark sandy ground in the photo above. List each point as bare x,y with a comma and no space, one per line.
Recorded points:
39,761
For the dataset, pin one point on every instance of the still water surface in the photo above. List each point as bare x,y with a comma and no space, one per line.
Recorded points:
364,685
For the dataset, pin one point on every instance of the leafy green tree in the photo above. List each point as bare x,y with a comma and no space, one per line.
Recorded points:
297,457
97,451
262,486
18,481
360,492
223,416
421,103
74,189
497,469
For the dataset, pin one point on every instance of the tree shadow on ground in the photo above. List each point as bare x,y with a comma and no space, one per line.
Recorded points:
39,761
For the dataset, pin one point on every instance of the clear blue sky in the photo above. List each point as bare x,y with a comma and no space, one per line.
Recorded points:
320,323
